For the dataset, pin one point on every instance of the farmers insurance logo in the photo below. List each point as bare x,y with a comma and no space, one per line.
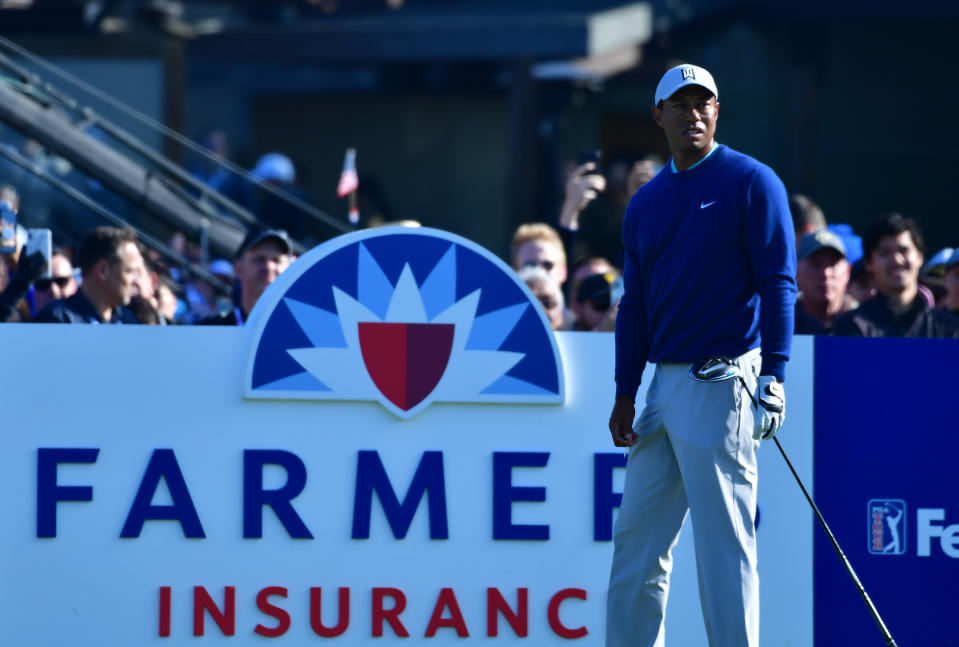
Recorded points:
406,317
887,526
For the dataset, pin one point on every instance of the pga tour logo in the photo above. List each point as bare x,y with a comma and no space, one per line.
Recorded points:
406,317
887,526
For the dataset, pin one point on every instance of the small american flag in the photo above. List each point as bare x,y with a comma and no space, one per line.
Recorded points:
349,181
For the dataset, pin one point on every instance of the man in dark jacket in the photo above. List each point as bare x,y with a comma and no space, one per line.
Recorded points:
262,257
110,262
893,253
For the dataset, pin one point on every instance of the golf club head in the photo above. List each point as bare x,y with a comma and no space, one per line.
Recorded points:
714,369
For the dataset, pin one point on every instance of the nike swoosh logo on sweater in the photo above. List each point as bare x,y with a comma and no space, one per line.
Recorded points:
703,205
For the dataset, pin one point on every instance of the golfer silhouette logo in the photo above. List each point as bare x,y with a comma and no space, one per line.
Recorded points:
887,526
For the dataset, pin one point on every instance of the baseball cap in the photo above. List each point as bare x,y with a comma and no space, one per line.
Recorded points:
221,267
816,240
258,234
938,264
953,260
681,76
596,289
850,240
275,167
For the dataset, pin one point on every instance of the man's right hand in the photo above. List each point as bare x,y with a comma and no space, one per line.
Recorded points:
621,422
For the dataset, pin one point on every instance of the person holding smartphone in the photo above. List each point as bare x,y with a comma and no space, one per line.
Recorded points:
32,265
110,264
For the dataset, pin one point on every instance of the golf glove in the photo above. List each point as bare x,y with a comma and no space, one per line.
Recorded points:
771,409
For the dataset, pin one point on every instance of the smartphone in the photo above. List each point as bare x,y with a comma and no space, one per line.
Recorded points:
8,228
594,156
40,240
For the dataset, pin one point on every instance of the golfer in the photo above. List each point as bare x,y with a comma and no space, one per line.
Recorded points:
709,270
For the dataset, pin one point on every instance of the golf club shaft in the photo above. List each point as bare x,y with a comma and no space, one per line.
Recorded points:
832,538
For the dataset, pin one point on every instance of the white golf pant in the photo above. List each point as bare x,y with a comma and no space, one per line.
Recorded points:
695,454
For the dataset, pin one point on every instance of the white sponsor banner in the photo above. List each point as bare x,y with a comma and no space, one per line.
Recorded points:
414,525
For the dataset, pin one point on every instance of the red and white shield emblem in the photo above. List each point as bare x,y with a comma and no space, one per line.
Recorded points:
405,360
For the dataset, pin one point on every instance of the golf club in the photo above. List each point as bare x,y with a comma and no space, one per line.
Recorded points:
718,369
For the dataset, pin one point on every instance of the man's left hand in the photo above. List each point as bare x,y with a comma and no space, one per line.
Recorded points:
771,410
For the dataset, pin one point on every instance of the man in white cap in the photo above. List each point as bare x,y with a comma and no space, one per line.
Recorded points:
709,270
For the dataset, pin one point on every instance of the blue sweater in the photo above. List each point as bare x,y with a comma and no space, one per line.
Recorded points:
709,269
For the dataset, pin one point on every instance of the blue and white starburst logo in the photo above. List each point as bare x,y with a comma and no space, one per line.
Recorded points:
405,317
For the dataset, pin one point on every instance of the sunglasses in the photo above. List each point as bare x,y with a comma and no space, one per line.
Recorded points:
43,285
546,265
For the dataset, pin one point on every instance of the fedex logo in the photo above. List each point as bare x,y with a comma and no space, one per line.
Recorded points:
928,529
405,317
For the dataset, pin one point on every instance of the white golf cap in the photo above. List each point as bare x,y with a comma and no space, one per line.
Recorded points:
681,76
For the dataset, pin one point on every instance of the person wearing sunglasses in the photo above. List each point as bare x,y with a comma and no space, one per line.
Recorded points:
60,285
110,263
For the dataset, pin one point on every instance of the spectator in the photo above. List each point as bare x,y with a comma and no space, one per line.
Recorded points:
936,266
642,171
583,185
850,240
590,220
110,263
202,298
544,288
822,274
11,196
12,292
584,268
538,245
860,285
933,272
144,312
262,257
60,285
594,298
277,170
146,288
951,281
807,215
893,253
169,304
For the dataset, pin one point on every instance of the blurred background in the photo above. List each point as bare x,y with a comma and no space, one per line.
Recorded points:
466,115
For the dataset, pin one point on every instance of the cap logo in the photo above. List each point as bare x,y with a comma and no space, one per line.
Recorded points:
688,72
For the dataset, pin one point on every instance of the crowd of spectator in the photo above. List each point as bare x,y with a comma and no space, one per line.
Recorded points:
872,285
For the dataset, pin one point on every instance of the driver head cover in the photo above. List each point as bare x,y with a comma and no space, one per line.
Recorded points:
713,369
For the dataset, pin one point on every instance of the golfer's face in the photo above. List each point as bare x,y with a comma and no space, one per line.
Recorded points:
688,118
